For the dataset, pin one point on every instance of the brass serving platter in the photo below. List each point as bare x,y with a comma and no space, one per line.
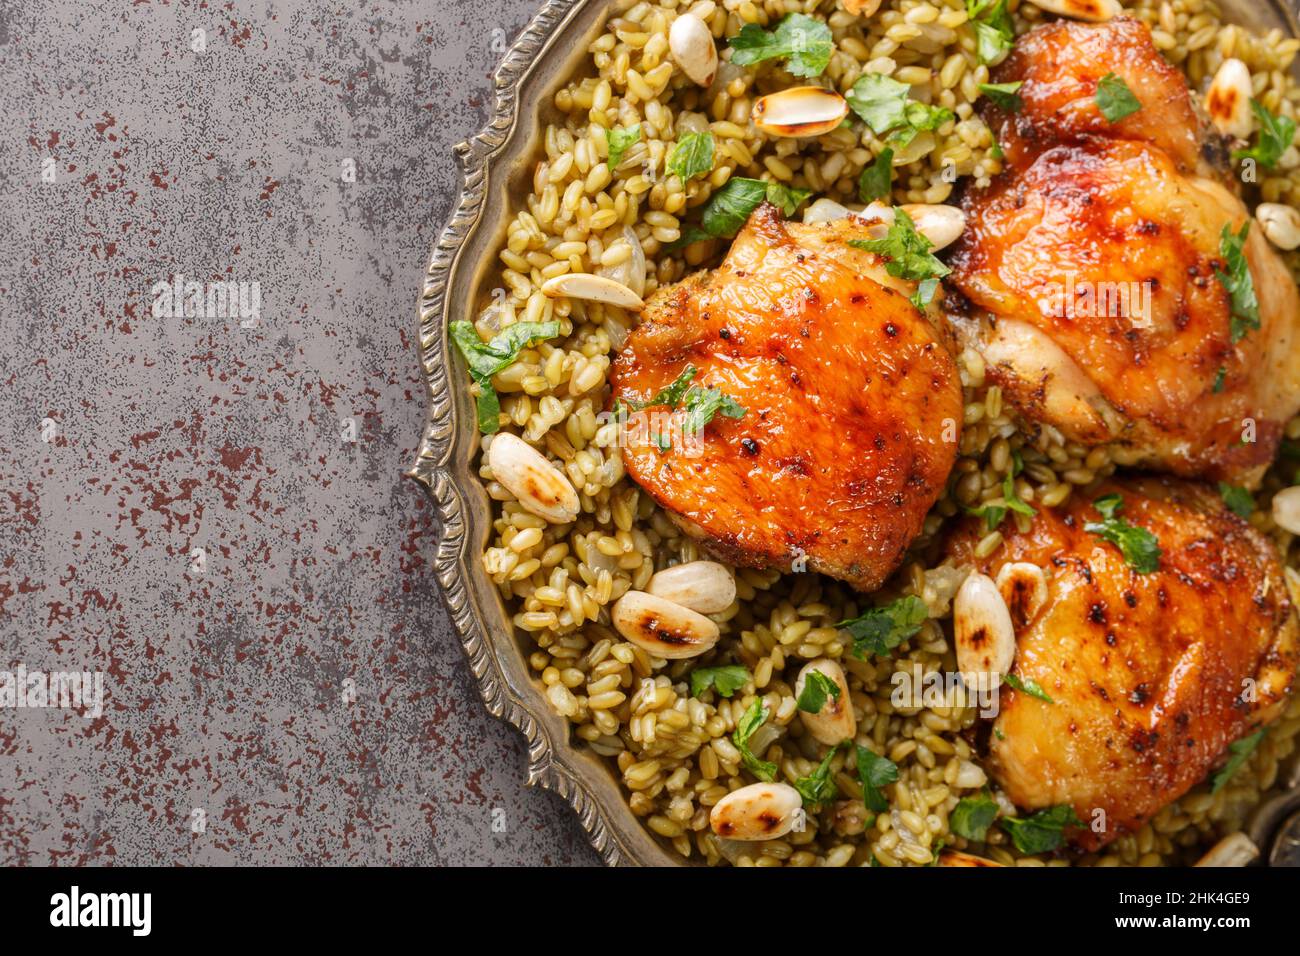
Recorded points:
497,166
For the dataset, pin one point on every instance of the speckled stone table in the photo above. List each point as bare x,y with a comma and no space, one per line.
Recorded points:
208,509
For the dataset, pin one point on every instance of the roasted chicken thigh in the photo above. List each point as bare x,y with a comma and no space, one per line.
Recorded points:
1089,276
851,403
1150,675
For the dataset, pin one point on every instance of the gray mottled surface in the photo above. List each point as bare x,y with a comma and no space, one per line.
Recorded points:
180,506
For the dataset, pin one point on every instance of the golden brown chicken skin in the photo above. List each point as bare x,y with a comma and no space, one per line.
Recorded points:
1151,676
1088,271
852,404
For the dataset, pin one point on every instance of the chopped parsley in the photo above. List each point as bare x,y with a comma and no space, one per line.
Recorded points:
877,179
995,33
924,294
620,141
1275,136
882,629
1115,99
1219,376
1238,282
802,40
874,772
1043,831
1241,751
1238,499
729,208
725,680
1029,687
692,156
1139,546
701,404
486,359
1004,95
754,718
817,687
883,103
973,816
819,787
907,251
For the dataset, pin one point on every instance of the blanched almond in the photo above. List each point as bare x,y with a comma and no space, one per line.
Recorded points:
1286,509
1228,99
799,112
1236,849
957,858
1281,225
584,285
691,45
703,586
940,224
1093,11
835,721
761,811
982,628
861,8
662,628
1023,587
540,487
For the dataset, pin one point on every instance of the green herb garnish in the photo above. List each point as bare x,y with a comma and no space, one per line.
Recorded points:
1115,99
620,140
817,687
995,33
1239,501
882,629
1043,831
877,179
973,816
802,40
1238,282
753,719
906,250
692,156
725,680
924,294
1029,687
820,787
875,772
1004,95
786,198
486,359
883,104
1241,751
1219,376
1139,546
701,404
1275,136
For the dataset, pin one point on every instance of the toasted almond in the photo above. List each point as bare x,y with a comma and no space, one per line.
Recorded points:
940,224
835,721
957,858
662,628
824,210
1236,849
1286,509
1281,224
703,586
1023,587
982,628
1227,101
524,471
1093,11
799,112
584,285
761,811
691,45
861,8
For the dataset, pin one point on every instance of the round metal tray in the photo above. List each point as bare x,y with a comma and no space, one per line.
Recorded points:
497,165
